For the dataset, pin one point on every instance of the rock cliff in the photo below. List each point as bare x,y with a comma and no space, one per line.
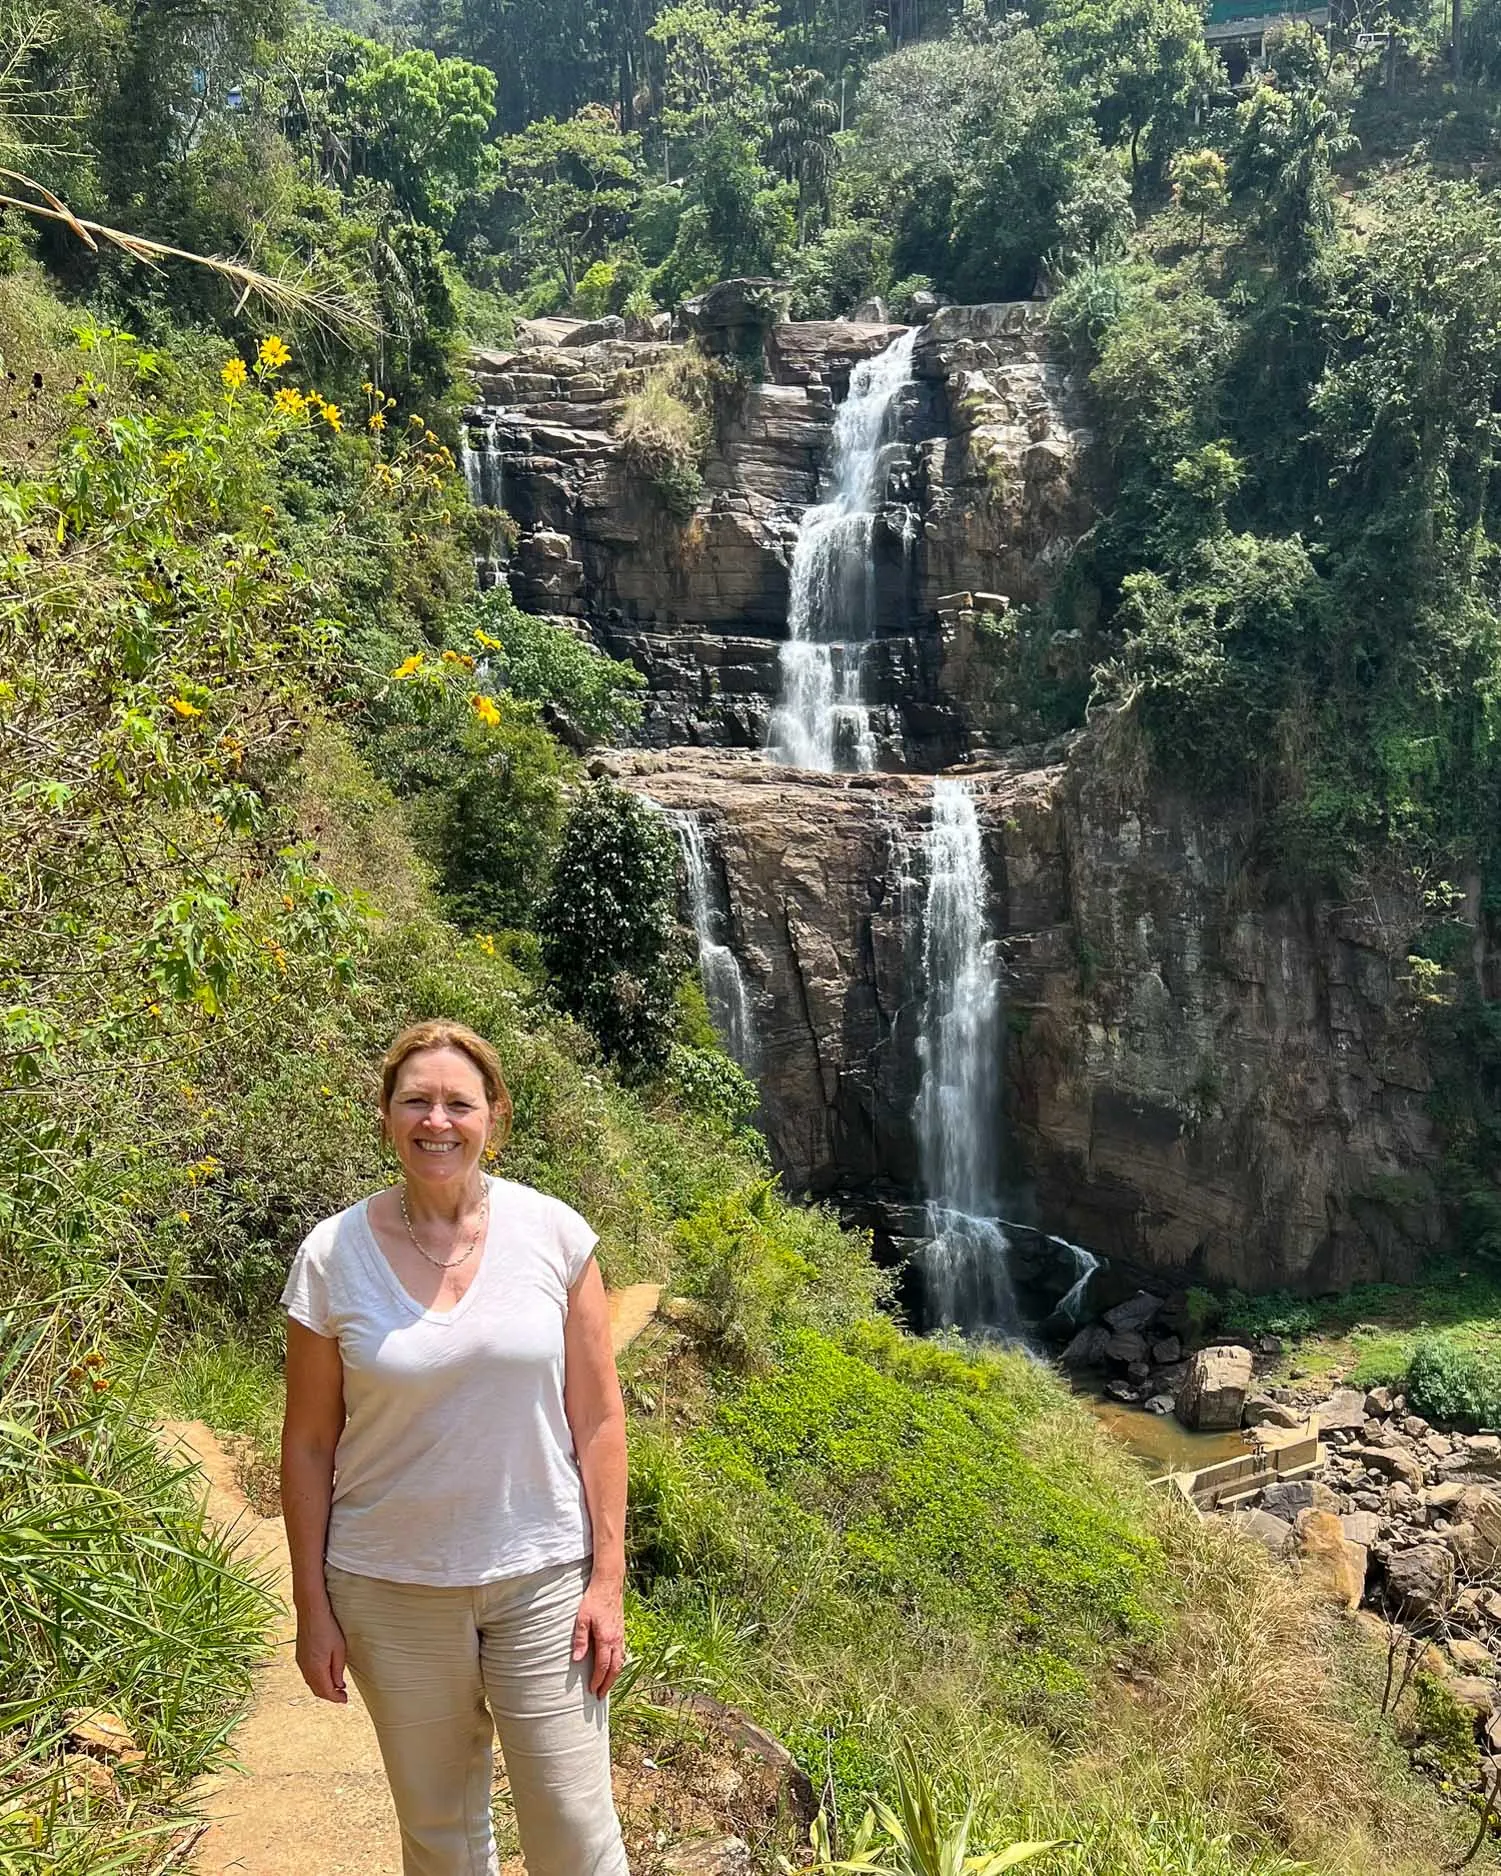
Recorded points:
1196,1082
992,496
1222,1093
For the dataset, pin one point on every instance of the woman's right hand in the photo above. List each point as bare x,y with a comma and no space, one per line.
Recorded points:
320,1654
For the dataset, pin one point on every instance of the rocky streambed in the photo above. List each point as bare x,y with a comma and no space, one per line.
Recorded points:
1398,1519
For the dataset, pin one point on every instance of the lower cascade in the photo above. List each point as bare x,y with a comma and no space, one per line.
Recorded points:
822,721
967,1279
725,988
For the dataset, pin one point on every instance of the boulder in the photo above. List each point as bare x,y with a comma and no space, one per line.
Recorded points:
1378,1403
1087,1349
871,312
1275,1533
1330,1561
612,326
1392,1462
1420,1581
1471,1691
923,304
1361,1527
719,1856
1445,1497
1470,1657
1137,1311
1160,1404
1124,1392
1262,1411
1344,1411
1166,1351
1126,1347
1215,1388
1289,1498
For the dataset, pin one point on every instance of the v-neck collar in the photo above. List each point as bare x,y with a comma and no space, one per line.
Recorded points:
399,1291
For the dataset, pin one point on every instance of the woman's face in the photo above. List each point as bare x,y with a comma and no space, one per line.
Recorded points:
438,1119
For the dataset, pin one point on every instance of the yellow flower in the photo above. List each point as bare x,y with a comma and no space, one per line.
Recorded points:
367,387
430,440
273,354
333,417
457,657
486,711
408,665
376,421
184,708
184,1218
325,1089
488,643
233,373
289,402
486,944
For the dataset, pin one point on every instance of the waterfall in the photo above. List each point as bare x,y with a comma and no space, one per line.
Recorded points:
483,473
965,1264
1068,1306
822,721
725,988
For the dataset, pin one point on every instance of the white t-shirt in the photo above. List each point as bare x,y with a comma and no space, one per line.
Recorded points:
456,1465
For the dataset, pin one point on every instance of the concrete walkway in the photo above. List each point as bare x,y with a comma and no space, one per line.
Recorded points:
312,1800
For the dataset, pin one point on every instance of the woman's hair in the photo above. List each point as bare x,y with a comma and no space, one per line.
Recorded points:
441,1035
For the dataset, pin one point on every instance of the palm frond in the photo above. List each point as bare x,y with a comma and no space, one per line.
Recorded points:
335,314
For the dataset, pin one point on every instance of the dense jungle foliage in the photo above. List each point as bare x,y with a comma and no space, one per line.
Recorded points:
278,777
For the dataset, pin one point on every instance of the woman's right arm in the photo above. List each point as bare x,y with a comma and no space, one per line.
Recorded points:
309,1439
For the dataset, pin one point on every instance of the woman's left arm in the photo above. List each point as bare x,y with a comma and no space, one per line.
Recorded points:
596,1418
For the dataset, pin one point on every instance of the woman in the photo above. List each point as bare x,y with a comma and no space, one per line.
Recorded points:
453,1478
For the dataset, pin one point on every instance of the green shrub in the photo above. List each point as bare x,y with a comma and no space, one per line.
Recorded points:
1453,1385
609,933
541,662
1275,1313
1445,1728
592,295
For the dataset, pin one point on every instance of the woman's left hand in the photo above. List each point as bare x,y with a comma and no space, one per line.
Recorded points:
601,1627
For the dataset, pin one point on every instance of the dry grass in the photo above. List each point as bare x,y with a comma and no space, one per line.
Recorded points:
1261,1707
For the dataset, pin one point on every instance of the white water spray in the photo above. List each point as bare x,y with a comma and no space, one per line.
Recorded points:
822,721
965,1265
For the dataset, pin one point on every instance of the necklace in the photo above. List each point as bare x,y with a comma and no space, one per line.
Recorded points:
464,1255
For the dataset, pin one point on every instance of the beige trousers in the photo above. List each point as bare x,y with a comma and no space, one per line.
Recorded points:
426,1661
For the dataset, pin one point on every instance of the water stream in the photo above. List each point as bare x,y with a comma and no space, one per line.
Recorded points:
965,1264
822,720
725,988
484,473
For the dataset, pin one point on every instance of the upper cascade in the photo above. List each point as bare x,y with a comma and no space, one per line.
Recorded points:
822,720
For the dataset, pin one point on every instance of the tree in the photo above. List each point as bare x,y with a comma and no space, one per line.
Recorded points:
1290,130
985,164
419,123
567,190
802,141
734,220
1142,62
719,61
609,934
1200,184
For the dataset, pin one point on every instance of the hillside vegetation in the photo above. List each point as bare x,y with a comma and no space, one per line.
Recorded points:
278,778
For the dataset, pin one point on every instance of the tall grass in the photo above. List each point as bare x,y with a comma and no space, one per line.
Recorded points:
115,1598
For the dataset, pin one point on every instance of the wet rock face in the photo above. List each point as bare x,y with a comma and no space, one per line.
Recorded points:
1217,1093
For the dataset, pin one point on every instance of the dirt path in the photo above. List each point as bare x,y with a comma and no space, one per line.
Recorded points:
312,1799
